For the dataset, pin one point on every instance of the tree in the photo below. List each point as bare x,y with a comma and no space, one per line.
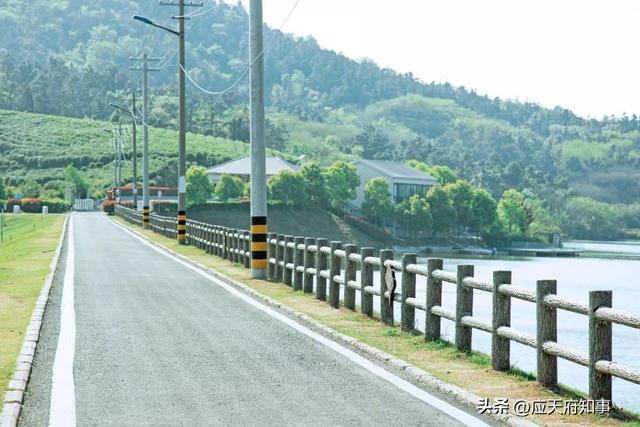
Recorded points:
375,144
585,218
442,211
3,190
483,209
444,174
460,193
378,203
288,187
511,212
414,216
315,185
199,187
78,182
229,187
342,179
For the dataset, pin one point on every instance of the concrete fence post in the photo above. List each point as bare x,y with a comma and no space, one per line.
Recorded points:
350,269
386,308
225,242
246,248
366,279
334,270
309,261
238,246
501,316
288,259
321,264
298,260
279,258
408,312
600,337
271,254
546,330
464,307
433,298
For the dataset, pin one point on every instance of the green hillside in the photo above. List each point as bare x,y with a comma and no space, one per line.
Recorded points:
37,147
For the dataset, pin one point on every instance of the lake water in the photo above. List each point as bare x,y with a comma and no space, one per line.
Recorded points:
575,277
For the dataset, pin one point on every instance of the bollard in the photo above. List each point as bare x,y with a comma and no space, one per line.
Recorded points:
350,269
408,312
334,270
247,248
366,279
280,258
547,330
386,309
309,260
271,256
600,337
321,264
288,259
433,299
501,316
298,255
464,307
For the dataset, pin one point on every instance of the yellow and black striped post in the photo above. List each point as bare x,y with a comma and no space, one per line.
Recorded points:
258,243
182,227
145,217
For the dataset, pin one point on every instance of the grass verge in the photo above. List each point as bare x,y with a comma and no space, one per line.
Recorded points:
25,258
470,371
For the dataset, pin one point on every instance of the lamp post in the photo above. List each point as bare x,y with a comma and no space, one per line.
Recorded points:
135,151
182,182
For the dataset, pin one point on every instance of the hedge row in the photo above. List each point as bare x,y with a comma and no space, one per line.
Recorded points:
34,205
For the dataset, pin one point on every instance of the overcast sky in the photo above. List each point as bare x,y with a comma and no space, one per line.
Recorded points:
580,54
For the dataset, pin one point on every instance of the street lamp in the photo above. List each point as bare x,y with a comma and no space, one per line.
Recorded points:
182,181
135,152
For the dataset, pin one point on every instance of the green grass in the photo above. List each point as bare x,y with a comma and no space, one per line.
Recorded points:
25,258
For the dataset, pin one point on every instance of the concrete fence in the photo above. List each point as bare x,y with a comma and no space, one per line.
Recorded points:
317,266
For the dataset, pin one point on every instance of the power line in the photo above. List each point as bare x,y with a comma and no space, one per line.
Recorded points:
246,70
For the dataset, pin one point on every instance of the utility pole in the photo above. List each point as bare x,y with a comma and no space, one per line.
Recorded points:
135,153
258,162
182,164
119,154
145,134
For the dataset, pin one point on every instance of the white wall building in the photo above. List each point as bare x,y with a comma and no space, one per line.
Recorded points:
242,168
404,181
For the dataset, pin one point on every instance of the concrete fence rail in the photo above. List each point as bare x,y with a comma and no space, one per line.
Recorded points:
301,262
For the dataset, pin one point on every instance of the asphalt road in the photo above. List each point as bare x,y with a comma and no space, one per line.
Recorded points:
157,344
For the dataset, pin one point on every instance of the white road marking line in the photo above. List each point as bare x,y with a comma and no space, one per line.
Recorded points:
62,412
402,384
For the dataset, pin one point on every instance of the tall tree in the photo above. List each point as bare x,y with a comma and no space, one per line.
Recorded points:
199,187
342,180
414,216
378,203
288,187
315,185
228,187
511,212
442,210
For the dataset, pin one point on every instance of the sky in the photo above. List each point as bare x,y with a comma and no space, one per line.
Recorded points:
579,54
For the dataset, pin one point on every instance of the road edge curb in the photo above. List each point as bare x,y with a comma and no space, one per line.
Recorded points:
464,397
13,398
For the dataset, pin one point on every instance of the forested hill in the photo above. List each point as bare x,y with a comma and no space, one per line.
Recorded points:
71,57
57,50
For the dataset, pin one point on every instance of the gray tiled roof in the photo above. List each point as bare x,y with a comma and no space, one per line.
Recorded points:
396,169
243,166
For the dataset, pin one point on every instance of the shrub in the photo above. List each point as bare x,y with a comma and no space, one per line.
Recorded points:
31,205
108,206
56,205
